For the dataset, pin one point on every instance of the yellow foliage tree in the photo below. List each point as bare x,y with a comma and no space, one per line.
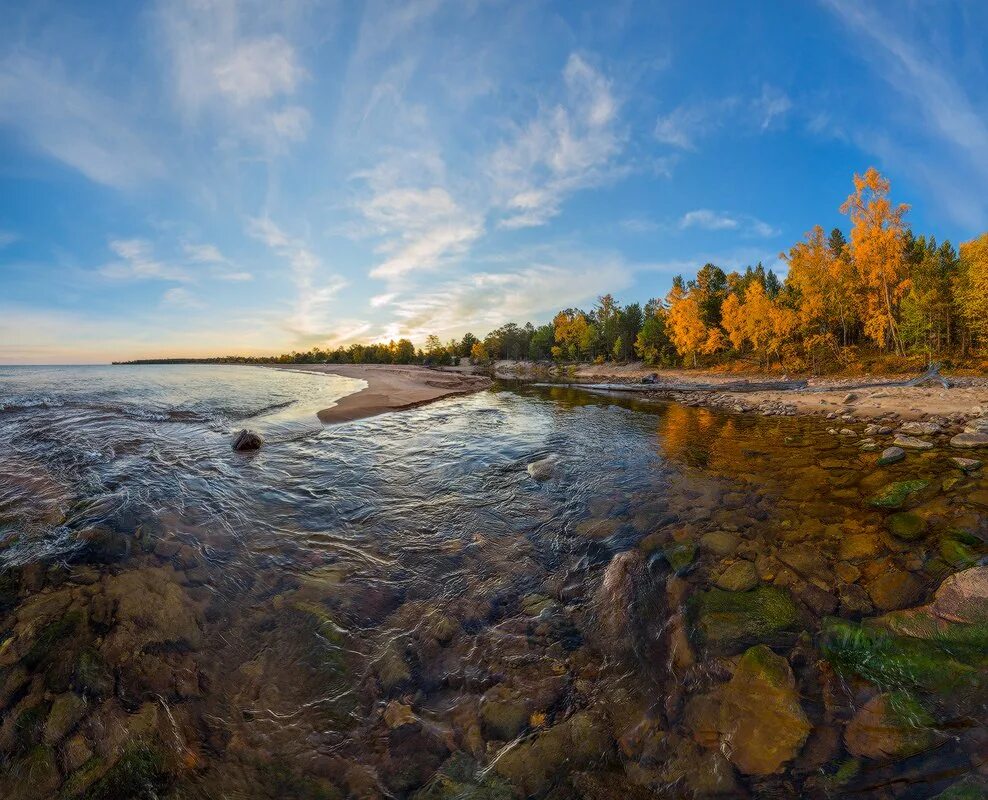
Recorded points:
971,287
684,324
878,251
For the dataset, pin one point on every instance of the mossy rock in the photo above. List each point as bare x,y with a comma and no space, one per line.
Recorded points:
460,778
279,780
971,787
956,553
906,525
894,495
92,676
34,776
948,665
729,622
139,774
29,727
680,556
890,727
52,637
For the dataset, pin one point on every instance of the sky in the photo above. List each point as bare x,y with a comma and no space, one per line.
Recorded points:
204,177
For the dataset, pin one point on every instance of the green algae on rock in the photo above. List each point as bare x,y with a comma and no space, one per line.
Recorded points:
906,525
730,622
890,727
894,495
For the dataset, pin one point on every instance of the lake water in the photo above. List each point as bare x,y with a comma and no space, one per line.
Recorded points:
684,604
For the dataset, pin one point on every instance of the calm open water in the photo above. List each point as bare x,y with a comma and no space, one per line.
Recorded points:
395,607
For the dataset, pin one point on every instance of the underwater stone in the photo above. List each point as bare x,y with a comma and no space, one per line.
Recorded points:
907,525
912,443
729,622
889,728
965,440
738,577
895,494
966,464
891,455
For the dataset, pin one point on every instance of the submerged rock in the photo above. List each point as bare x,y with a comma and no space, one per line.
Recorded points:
965,440
720,543
247,440
761,723
966,464
894,589
680,556
912,443
891,455
738,577
889,727
895,494
543,469
907,525
919,428
729,622
963,597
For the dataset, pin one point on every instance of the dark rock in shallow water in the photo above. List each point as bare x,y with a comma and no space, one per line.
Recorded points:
247,440
729,622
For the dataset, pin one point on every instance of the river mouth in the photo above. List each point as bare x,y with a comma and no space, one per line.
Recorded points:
524,592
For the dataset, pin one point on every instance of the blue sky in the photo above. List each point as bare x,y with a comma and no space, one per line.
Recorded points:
193,178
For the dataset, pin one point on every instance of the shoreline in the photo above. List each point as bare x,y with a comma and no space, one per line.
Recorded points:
389,388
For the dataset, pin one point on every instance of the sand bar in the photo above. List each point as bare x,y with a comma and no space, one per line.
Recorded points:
391,388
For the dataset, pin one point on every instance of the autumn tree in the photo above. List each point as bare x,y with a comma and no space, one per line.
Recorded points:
878,248
971,287
684,322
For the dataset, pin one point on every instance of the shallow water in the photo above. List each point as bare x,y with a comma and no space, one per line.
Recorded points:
396,607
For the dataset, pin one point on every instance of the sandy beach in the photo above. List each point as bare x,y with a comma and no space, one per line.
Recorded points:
391,388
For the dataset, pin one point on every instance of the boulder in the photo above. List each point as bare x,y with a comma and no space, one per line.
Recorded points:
889,727
963,597
247,440
894,495
729,622
543,469
720,543
911,443
738,577
919,428
891,455
965,440
761,722
894,589
979,425
907,525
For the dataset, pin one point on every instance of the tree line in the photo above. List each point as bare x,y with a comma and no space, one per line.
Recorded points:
883,290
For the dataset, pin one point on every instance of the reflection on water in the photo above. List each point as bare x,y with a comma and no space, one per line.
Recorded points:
683,604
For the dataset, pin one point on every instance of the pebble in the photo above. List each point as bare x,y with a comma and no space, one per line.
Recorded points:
891,455
912,442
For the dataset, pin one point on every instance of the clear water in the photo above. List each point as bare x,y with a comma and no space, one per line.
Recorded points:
395,607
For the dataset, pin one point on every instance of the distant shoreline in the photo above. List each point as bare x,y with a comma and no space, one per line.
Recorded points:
389,388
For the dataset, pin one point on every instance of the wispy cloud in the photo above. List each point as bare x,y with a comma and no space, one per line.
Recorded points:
710,220
219,265
687,125
137,262
773,104
180,297
311,321
241,80
568,146
59,115
932,105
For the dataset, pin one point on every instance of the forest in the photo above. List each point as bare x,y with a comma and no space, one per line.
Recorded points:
882,293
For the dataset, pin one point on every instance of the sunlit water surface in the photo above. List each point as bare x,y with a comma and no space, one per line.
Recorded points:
395,607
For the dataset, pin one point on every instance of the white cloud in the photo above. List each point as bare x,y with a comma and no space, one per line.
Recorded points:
951,128
204,253
721,221
311,321
381,300
239,78
63,118
771,105
137,262
687,124
180,297
709,220
566,147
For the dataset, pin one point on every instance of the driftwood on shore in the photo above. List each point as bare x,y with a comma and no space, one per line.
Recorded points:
739,387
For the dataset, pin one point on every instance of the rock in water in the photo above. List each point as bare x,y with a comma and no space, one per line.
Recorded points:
970,440
761,723
889,730
912,443
919,428
891,455
893,495
963,597
728,622
907,525
543,469
247,440
966,464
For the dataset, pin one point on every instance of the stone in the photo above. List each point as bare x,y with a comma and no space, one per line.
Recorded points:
963,597
847,572
543,469
894,589
889,728
966,440
720,543
891,455
740,576
729,622
397,714
894,495
75,753
966,464
911,443
860,547
957,553
906,525
762,724
66,711
247,440
849,398
503,712
919,428
970,787
979,425
616,599
680,556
